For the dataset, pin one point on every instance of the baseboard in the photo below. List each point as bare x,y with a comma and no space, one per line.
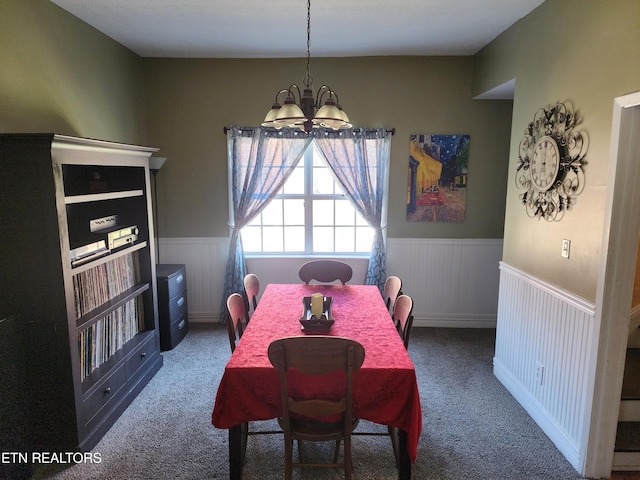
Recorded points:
539,415
203,317
455,321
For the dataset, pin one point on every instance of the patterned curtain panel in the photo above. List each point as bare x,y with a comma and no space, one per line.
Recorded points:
359,159
260,160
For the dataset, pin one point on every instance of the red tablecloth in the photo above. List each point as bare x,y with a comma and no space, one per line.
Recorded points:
385,389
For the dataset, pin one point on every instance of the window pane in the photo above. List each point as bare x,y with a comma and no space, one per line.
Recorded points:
338,189
323,212
323,181
360,220
293,211
364,239
251,239
272,240
294,239
318,158
257,220
295,182
272,214
345,212
345,239
323,239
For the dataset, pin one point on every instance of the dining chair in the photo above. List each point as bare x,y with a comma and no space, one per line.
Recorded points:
325,271
237,313
306,418
403,318
392,288
251,291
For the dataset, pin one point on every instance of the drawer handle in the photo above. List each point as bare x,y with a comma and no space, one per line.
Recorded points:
179,278
143,354
180,301
181,324
107,390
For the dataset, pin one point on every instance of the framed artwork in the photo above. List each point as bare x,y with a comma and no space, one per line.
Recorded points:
438,166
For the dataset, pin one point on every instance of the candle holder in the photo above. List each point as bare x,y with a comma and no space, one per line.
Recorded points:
312,324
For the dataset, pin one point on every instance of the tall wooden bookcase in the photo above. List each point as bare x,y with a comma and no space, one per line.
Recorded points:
77,269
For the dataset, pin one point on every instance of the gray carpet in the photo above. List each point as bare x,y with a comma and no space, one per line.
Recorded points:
472,427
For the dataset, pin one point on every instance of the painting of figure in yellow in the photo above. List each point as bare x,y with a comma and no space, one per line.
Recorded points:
438,166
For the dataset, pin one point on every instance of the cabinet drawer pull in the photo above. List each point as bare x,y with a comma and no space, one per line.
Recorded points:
180,301
181,324
179,278
143,354
107,390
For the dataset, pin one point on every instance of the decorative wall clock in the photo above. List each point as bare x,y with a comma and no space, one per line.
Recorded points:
550,162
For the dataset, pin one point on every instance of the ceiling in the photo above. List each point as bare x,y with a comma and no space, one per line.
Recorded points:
278,28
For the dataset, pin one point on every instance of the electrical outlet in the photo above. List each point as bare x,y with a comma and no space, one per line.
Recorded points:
539,373
566,246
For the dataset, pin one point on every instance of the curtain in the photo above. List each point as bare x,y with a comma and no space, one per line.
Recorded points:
260,160
359,159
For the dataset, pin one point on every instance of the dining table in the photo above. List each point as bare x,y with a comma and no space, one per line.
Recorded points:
385,389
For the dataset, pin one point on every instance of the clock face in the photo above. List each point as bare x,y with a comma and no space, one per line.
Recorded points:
545,163
551,157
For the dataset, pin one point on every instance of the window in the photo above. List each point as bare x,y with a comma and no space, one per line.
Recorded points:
309,215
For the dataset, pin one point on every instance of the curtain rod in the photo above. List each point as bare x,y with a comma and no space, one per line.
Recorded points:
392,130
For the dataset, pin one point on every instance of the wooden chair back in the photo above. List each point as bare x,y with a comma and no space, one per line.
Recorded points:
237,312
392,288
403,318
251,291
305,419
325,271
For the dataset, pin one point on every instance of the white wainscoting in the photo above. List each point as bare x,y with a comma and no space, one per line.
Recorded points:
205,260
453,282
540,324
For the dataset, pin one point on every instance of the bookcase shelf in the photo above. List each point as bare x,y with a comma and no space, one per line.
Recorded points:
109,306
97,197
108,256
78,263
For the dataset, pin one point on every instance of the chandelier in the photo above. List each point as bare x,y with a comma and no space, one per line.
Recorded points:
306,110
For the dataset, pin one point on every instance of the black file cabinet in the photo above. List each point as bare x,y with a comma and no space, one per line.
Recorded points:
173,314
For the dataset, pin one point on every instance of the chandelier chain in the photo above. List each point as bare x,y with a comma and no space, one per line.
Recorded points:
306,111
308,80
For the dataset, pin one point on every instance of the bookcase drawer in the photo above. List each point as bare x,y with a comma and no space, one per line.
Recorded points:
95,402
172,280
140,357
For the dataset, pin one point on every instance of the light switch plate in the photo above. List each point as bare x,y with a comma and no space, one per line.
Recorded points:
566,246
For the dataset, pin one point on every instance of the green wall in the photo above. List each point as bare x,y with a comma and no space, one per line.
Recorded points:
190,101
61,75
585,52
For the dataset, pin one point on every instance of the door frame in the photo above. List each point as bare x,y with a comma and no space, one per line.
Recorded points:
615,284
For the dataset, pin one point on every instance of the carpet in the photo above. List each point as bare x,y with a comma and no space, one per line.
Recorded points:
472,427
